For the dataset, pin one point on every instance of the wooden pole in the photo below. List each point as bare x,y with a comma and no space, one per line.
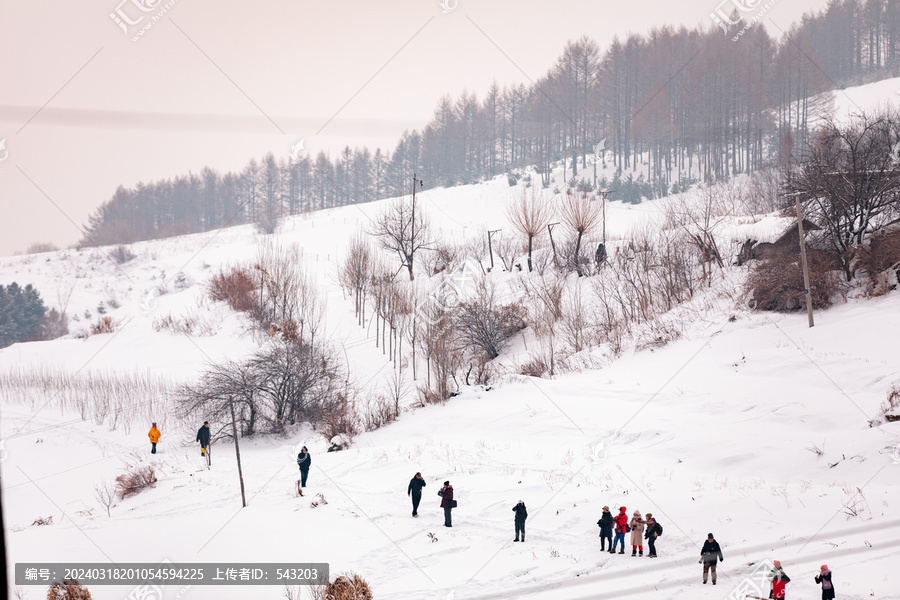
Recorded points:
237,451
552,244
809,311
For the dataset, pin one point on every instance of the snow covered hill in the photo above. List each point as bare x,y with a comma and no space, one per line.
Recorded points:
749,425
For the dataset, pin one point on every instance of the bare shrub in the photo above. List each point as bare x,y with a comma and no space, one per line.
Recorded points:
777,284
403,228
444,257
507,249
657,335
69,589
582,216
879,257
135,479
189,324
536,367
105,493
105,324
890,408
355,274
236,287
42,521
41,248
348,586
121,254
484,326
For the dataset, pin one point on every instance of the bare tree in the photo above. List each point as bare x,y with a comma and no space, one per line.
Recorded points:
484,325
355,274
403,228
582,216
530,214
105,493
507,249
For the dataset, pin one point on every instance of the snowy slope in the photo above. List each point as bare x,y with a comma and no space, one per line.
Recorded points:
713,432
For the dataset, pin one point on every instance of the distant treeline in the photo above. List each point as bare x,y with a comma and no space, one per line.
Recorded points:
674,106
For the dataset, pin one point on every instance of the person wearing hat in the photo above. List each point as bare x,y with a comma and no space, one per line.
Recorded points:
637,533
653,530
154,438
606,527
779,581
203,438
415,490
304,461
521,515
710,554
447,502
824,577
621,521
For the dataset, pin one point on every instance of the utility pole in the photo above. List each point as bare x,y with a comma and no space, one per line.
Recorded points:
552,244
237,451
603,194
490,248
412,235
809,312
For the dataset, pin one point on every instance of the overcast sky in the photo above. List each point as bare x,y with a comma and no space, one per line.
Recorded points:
84,109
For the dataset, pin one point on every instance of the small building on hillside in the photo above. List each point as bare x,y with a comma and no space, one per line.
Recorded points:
769,237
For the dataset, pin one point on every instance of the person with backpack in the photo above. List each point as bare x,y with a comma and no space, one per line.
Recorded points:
637,532
606,527
447,502
415,490
654,530
824,577
203,438
710,554
154,438
304,460
779,581
621,521
521,515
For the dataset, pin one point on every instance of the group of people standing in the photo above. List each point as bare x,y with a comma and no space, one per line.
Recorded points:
636,526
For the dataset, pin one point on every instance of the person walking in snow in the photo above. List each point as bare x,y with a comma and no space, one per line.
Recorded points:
154,438
824,577
521,515
621,521
710,554
637,534
653,531
415,490
304,461
606,527
203,438
779,581
447,502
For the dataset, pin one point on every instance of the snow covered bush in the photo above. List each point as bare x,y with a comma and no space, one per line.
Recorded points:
121,255
777,283
348,586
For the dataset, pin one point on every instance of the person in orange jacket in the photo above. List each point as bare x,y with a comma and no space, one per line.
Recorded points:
154,437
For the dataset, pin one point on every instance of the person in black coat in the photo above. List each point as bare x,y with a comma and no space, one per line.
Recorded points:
203,438
824,577
606,527
521,515
415,490
710,554
304,461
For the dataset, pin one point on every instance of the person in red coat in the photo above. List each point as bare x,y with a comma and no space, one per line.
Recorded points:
779,581
621,525
446,494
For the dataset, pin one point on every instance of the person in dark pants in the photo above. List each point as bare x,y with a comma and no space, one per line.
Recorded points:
521,515
446,494
606,527
203,438
303,461
415,490
824,577
710,554
653,530
154,438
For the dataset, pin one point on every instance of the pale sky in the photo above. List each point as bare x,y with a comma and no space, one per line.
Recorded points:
84,109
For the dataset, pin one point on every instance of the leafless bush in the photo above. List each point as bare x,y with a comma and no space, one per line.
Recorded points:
236,287
189,324
121,254
42,521
348,586
576,322
777,284
355,274
484,325
105,324
135,479
657,335
41,248
285,292
69,589
105,494
536,367
443,353
764,192
507,248
879,257
444,257
582,216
